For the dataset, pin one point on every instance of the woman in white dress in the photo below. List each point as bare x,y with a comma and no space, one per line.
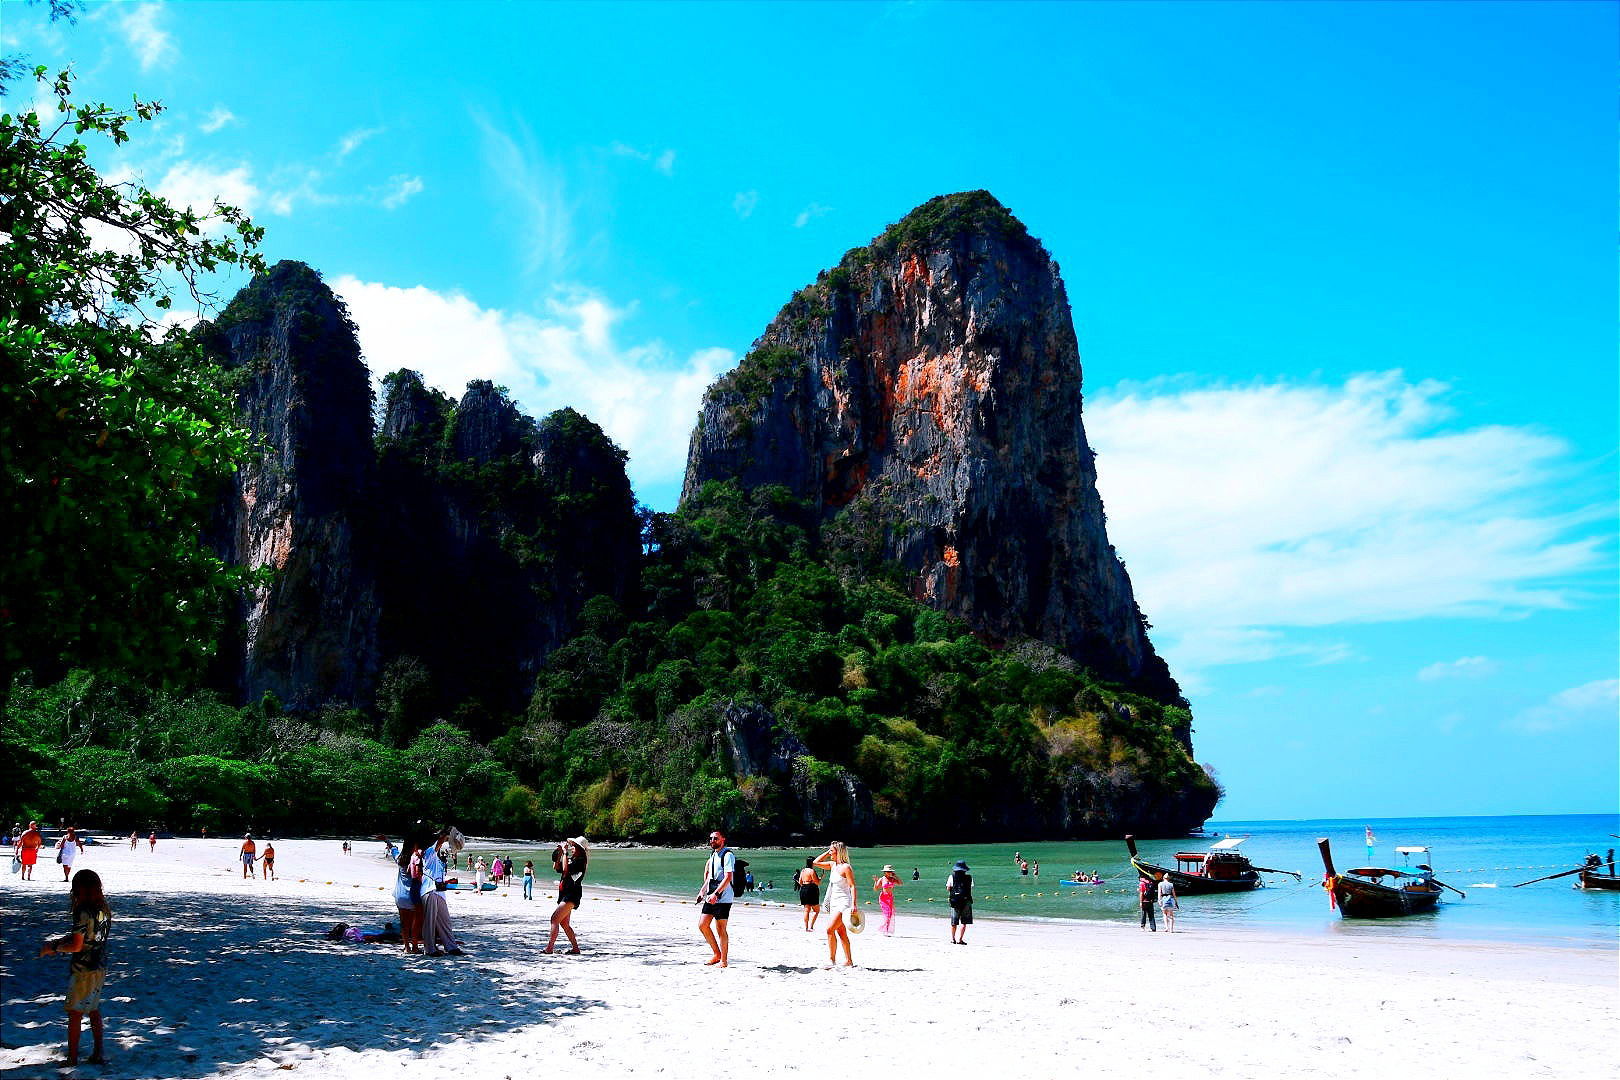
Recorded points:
839,901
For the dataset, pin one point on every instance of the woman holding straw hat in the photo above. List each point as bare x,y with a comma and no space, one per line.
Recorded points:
840,900
885,886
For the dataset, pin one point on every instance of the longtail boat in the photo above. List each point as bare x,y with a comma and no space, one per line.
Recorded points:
1362,893
1221,869
1591,875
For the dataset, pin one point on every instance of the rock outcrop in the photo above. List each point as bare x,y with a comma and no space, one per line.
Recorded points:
300,507
464,540
923,398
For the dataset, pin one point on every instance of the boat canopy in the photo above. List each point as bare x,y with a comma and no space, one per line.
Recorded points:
1411,850
1380,871
1228,844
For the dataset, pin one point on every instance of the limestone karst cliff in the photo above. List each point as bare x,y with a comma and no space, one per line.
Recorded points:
454,549
924,396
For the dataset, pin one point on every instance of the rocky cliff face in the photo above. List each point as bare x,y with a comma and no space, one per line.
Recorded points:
300,508
464,540
923,397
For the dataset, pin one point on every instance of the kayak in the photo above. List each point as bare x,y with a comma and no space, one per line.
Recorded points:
1078,884
489,886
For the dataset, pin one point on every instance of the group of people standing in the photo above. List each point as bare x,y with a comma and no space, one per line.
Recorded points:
840,903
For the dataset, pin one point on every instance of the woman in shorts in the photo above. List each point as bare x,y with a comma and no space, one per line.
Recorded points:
570,891
809,883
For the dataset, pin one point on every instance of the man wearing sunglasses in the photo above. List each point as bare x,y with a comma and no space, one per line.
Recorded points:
717,897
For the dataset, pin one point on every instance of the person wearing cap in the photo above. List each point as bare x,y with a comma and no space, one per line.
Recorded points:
717,896
250,853
570,891
885,884
959,893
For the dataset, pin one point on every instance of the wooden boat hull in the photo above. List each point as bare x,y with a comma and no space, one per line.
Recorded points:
1197,884
1365,900
1600,882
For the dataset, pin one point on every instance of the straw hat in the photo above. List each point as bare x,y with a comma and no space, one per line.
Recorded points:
579,842
888,868
857,921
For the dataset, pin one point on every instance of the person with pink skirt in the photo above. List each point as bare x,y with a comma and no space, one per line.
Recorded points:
885,886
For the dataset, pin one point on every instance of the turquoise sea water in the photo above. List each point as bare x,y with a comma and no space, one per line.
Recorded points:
1483,856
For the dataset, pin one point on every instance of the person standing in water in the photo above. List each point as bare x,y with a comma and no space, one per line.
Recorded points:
885,884
809,885
840,899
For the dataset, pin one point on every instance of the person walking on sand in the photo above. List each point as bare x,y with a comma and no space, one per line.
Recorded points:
959,894
809,885
151,842
885,884
87,971
528,879
67,849
250,855
1168,903
717,896
840,900
1146,894
134,839
570,892
480,871
28,846
268,861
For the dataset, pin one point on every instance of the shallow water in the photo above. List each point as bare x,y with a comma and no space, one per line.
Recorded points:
1483,856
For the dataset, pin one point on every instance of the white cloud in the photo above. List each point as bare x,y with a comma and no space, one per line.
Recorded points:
400,190
353,140
744,203
217,118
534,188
1464,667
1596,700
809,214
192,184
644,396
1248,514
663,161
142,27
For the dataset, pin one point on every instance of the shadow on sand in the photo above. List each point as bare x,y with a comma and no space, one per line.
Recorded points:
197,984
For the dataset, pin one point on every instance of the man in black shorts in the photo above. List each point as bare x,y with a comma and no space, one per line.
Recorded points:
717,897
959,894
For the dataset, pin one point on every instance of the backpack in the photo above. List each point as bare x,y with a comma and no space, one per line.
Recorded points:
736,873
961,888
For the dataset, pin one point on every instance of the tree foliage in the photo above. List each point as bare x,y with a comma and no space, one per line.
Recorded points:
115,429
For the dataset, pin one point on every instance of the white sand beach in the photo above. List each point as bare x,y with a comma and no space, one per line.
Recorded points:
211,975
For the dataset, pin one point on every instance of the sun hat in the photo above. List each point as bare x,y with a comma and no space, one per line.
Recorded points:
888,868
857,921
961,864
579,842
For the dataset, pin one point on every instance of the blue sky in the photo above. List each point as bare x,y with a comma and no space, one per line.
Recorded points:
1343,276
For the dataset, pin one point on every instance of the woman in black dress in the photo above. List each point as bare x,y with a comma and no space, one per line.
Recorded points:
809,883
570,863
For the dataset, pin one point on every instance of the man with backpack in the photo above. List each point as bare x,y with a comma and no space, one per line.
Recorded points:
959,893
717,897
1147,894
